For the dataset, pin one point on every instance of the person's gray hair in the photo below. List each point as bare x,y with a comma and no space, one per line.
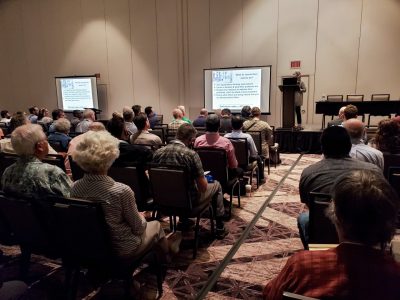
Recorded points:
62,125
186,132
88,113
97,126
24,139
128,114
96,152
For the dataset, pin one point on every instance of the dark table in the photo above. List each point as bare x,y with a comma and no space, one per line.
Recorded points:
382,108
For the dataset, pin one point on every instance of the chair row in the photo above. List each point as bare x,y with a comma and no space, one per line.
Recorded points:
53,227
357,98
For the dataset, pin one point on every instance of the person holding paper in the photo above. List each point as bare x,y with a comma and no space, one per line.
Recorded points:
298,98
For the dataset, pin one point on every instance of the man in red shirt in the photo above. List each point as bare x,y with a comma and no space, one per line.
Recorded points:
364,210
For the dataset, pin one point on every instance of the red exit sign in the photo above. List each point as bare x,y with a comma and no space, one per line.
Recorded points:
295,64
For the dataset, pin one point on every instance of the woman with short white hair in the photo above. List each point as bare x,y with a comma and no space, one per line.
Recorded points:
130,234
62,127
29,175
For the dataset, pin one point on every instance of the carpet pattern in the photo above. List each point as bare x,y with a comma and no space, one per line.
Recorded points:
259,258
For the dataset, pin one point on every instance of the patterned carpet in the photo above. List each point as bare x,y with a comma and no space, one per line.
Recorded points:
258,259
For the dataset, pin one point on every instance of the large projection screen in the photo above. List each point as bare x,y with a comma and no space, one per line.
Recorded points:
76,92
234,88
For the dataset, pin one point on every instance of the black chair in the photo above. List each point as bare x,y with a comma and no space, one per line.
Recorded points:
355,98
394,180
390,160
56,160
292,296
331,98
139,185
172,196
76,170
321,228
215,160
85,243
160,119
160,131
56,145
274,150
30,226
6,160
378,97
256,135
243,158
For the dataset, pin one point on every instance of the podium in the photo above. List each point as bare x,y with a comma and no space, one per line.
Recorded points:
288,89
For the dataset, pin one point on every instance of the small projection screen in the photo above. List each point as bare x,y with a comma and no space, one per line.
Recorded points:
234,88
76,92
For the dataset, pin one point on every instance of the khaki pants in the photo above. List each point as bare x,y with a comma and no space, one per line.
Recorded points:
214,191
150,237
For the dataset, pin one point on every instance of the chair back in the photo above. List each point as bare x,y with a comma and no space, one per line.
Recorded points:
394,178
6,160
160,119
139,184
76,170
380,97
214,160
256,135
390,160
357,98
82,231
241,151
160,131
28,221
56,145
55,160
334,98
321,228
172,193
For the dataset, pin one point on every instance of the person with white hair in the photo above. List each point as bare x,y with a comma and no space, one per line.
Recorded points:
29,175
62,127
95,126
130,234
184,118
88,117
128,116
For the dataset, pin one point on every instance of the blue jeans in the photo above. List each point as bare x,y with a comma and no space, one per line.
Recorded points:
302,222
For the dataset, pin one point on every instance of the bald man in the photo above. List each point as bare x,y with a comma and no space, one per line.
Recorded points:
359,150
177,121
339,120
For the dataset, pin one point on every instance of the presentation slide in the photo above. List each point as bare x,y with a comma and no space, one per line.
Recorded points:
234,88
76,92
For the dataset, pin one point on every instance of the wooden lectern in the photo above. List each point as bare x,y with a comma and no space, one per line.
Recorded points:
288,88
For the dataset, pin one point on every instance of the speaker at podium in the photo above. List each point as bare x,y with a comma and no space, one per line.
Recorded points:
288,88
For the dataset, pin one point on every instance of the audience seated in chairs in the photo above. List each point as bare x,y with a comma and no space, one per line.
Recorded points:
255,124
56,114
178,153
340,118
364,210
177,121
62,127
29,175
359,150
237,124
128,115
200,121
213,139
151,114
226,120
140,155
18,119
336,146
143,136
88,117
130,234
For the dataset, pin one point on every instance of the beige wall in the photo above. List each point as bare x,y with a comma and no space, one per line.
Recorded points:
154,51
